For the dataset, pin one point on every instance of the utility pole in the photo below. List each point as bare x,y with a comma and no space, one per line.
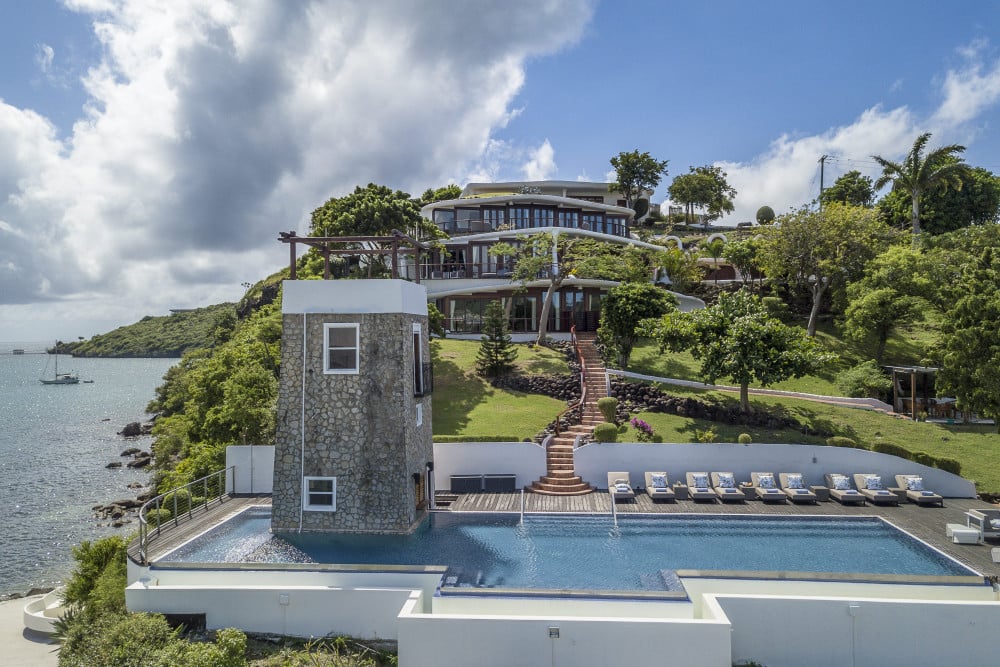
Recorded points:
822,163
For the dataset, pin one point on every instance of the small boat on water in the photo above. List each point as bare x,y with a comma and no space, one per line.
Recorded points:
61,378
18,350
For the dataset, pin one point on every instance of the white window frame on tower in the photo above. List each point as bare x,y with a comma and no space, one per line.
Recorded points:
308,493
327,328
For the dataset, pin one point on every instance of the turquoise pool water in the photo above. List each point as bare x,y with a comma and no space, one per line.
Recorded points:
587,552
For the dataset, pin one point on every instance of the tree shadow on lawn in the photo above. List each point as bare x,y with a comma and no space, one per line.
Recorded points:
454,396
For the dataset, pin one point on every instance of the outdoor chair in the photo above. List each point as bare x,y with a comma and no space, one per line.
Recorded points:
915,491
620,486
700,487
870,486
793,484
724,485
658,486
842,491
766,487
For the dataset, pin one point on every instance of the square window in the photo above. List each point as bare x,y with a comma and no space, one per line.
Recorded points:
319,494
341,349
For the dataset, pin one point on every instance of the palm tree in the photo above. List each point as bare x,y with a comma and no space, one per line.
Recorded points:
919,173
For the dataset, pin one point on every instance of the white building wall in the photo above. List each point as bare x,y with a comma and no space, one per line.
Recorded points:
427,640
526,460
790,632
253,468
594,461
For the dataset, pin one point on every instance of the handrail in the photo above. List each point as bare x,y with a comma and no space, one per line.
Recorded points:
181,505
583,377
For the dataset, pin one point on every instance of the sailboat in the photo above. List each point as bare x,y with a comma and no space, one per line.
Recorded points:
61,378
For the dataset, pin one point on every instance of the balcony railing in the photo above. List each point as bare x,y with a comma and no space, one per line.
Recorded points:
465,227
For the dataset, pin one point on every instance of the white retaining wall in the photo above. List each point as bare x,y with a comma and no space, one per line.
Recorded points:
449,640
253,468
524,459
595,460
834,632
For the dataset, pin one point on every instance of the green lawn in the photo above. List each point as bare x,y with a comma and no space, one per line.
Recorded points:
908,346
976,447
466,405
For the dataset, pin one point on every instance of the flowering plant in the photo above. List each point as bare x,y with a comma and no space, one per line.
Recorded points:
644,432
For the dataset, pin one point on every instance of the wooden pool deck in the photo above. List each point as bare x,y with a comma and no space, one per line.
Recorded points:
926,523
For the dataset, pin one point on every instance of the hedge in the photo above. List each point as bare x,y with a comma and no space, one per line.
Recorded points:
605,432
891,448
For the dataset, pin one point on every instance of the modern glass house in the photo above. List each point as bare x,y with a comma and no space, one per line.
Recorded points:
463,277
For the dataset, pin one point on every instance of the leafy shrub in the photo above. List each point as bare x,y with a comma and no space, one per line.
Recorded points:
841,441
605,432
609,408
886,447
744,439
706,436
92,560
949,465
155,517
643,431
866,380
776,307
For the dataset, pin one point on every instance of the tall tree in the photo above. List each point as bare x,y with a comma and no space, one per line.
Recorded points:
821,251
737,338
554,257
705,188
714,249
970,345
374,210
635,173
743,256
977,202
625,306
431,195
919,173
496,351
851,188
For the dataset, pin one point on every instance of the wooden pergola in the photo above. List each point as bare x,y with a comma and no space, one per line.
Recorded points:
399,243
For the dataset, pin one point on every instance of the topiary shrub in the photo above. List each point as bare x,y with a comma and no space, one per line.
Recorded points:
605,432
923,458
707,436
609,408
949,465
842,441
744,439
886,447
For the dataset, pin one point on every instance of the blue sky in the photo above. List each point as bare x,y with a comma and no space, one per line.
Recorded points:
150,151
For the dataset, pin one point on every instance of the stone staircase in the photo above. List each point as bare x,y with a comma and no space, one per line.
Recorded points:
561,478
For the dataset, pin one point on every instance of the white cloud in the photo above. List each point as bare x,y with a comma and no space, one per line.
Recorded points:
542,164
786,175
211,126
44,55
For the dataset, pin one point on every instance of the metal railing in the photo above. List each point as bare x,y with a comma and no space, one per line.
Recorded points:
180,503
583,377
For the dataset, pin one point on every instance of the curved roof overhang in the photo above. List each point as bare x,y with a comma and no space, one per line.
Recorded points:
565,202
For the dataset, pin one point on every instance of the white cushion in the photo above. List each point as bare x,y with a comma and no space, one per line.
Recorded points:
766,481
659,481
726,481
995,524
795,482
622,488
915,483
841,483
873,482
700,481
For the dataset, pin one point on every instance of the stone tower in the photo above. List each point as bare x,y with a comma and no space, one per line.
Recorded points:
353,447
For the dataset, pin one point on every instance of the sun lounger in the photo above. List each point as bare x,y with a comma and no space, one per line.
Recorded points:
871,487
842,491
793,484
766,486
700,486
915,491
658,486
620,486
986,520
724,485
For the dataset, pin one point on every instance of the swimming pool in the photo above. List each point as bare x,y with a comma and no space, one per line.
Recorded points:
588,552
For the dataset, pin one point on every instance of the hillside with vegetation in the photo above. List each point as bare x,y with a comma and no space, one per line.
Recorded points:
165,336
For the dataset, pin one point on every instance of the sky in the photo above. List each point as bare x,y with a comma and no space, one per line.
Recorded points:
150,152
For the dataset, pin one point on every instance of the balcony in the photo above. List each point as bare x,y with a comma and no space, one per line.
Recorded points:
456,228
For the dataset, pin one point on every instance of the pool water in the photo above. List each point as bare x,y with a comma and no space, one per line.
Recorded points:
587,552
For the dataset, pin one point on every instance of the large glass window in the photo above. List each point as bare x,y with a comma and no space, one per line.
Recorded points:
520,216
616,225
542,217
592,221
464,217
341,349
319,494
493,218
569,219
445,219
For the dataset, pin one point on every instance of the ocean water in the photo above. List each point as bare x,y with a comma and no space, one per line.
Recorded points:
55,441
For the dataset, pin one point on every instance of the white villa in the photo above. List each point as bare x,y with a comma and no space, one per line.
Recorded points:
463,278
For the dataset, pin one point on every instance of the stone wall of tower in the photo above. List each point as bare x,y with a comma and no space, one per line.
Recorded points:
368,430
